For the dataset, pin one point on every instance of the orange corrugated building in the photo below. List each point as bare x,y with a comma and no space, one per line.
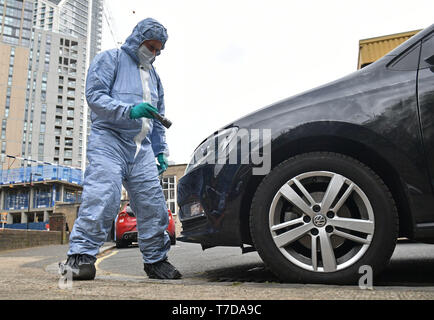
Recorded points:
373,49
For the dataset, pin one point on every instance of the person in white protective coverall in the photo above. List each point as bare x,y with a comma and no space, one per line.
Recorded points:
122,90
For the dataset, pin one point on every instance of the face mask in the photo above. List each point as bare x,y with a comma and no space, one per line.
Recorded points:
146,57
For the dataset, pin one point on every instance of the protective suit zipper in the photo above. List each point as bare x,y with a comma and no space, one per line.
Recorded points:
144,76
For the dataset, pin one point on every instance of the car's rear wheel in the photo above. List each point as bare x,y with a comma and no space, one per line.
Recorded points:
122,243
318,217
172,240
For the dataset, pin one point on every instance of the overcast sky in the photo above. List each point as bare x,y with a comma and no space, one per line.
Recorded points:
227,58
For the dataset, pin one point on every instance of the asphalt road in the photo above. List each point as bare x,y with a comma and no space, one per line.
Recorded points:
215,274
412,265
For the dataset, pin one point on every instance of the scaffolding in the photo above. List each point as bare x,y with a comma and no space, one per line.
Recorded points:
29,194
41,173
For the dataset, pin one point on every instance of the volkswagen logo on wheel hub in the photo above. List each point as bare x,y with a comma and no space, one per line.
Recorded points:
319,220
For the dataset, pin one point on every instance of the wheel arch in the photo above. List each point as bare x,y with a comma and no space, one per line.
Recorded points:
328,137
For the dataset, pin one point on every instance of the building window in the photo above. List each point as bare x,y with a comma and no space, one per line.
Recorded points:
41,152
4,129
58,121
44,87
169,190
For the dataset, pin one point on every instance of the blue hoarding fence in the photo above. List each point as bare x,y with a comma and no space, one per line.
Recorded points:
41,173
16,200
30,225
44,196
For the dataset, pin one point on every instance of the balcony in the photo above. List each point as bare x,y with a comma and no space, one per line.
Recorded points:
68,143
57,131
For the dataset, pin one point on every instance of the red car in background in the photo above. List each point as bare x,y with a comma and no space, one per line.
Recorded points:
126,228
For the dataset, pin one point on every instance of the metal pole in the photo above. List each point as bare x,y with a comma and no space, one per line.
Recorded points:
28,204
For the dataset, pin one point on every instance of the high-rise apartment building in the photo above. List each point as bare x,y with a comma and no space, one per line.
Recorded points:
46,90
16,21
55,124
15,38
67,33
45,50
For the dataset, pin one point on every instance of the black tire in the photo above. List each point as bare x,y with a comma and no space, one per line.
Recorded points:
172,240
112,232
122,244
384,231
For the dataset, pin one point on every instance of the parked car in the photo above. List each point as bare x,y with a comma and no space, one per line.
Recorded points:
352,169
126,227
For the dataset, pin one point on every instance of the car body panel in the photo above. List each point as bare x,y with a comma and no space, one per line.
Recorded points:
426,104
426,110
126,226
218,196
372,114
171,227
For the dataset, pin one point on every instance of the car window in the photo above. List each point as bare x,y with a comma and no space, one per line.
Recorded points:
130,212
408,61
427,52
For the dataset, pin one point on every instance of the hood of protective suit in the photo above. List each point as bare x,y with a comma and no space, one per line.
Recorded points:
147,29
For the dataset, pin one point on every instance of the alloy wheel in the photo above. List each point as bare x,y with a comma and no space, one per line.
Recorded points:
321,221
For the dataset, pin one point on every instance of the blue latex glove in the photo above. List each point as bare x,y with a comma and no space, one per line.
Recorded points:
142,110
163,163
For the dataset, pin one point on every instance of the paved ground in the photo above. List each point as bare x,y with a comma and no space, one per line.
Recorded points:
30,274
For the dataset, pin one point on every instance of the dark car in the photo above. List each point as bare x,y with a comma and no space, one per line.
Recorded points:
351,171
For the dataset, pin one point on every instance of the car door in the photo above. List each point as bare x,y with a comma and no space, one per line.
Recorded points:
426,100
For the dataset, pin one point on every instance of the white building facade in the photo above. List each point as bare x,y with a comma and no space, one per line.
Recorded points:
65,38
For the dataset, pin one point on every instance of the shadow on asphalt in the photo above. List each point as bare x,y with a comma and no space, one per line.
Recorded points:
254,272
408,272
399,273
416,269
